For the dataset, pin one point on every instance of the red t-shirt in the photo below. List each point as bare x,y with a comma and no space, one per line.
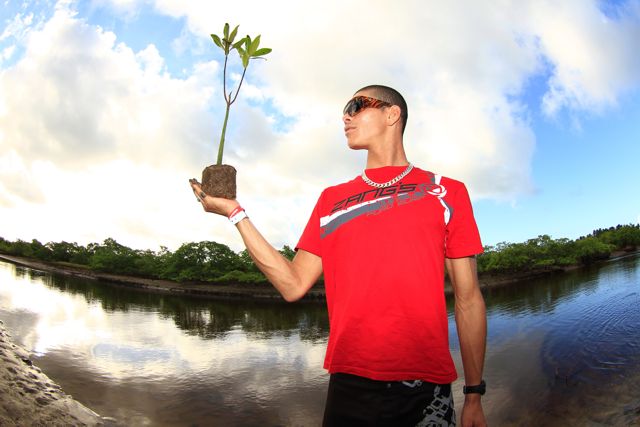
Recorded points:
383,256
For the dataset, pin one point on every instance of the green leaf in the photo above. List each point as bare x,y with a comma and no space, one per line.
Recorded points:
241,51
245,60
226,30
254,45
217,40
261,52
238,44
233,34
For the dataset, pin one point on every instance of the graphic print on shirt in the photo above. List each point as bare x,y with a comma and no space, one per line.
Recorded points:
379,200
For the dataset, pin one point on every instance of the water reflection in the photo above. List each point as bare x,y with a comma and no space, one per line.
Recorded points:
562,350
165,360
541,295
569,348
205,318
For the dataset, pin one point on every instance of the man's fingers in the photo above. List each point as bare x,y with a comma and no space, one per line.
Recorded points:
195,184
199,193
197,189
210,203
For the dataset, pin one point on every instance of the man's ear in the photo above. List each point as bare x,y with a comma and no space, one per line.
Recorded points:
393,115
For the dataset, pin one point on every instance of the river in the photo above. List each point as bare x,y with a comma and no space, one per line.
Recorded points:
561,351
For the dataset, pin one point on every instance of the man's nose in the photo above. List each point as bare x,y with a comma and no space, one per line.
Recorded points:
346,118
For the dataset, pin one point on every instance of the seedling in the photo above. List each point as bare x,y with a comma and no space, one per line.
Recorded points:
247,49
220,180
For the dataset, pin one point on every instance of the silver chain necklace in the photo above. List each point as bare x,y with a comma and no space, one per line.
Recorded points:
366,179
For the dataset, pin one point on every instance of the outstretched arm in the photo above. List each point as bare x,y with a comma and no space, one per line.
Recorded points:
471,322
291,278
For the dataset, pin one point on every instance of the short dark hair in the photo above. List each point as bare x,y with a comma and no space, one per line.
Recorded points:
391,96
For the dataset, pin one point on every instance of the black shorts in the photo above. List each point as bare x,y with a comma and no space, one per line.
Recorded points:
357,401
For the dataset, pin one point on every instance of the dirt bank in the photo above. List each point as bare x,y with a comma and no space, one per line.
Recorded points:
209,290
29,398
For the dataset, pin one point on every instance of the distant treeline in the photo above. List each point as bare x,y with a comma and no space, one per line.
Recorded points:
209,261
543,252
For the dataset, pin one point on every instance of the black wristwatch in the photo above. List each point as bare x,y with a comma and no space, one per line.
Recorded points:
480,388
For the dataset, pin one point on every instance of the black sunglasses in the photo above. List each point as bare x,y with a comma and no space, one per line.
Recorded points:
359,103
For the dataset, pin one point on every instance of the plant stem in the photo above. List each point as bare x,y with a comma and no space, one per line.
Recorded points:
224,131
240,85
224,79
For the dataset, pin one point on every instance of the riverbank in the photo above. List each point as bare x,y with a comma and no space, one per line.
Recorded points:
253,291
29,398
202,289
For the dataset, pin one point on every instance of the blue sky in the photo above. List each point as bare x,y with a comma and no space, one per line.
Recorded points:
585,178
107,107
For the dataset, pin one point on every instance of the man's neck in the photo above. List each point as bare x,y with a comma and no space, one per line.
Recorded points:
380,158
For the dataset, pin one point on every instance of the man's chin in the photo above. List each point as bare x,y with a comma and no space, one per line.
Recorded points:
354,146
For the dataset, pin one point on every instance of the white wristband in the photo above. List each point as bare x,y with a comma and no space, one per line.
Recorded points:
237,217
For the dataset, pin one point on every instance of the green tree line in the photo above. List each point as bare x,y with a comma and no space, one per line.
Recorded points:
543,252
209,261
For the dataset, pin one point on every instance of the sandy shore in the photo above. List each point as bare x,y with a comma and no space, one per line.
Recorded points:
29,398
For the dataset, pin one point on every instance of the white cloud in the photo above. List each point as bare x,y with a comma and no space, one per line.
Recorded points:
91,133
125,9
81,107
77,97
7,53
593,57
15,176
455,70
17,27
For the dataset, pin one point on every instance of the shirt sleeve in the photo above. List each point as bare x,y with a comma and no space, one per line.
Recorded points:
462,236
310,239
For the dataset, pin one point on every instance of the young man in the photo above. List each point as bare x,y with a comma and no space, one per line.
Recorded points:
383,240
